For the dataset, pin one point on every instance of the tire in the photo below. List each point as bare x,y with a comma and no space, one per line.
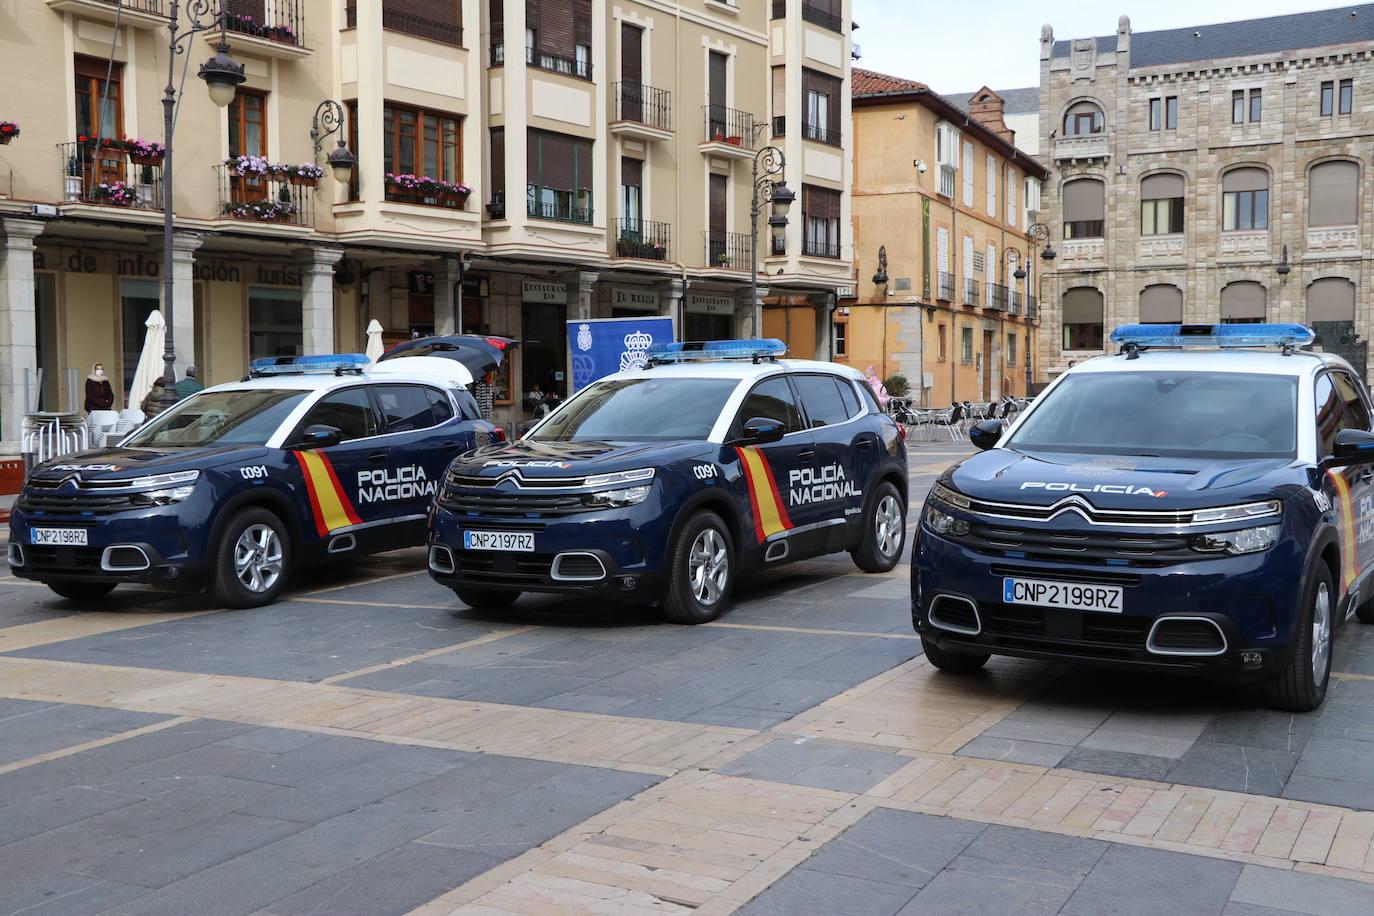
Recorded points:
483,599
1302,687
252,559
953,662
884,531
701,571
81,591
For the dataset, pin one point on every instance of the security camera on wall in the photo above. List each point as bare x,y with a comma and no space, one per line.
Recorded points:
920,166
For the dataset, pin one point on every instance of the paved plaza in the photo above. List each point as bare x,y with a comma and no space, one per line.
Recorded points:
371,746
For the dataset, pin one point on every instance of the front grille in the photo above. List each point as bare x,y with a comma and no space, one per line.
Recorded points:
1079,632
508,504
72,559
1134,549
74,502
479,566
519,480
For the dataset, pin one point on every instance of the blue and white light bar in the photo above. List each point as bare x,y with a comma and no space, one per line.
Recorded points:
688,350
1213,335
319,362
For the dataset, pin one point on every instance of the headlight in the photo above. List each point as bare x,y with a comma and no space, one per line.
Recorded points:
944,523
624,496
946,495
154,481
1246,540
161,497
1238,513
618,477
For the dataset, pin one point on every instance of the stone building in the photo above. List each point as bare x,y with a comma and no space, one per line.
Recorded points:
1218,173
604,151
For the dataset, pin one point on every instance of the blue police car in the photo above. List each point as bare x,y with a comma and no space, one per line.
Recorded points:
1192,504
671,480
308,459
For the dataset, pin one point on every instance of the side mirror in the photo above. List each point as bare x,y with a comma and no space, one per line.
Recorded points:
1352,446
986,434
761,431
319,435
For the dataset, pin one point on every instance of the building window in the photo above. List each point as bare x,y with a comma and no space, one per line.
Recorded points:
1246,104
1082,311
991,186
497,208
559,177
1084,118
248,123
1243,302
1084,209
1337,99
779,77
822,122
99,112
274,322
436,20
1245,199
1164,113
1333,194
943,352
966,345
1011,349
821,215
1161,303
631,191
1347,97
968,174
423,143
558,36
1161,205
841,338
1328,98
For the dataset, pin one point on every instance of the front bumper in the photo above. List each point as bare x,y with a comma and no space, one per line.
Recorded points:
1227,618
147,546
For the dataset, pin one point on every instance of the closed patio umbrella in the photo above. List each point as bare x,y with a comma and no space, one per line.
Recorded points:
374,340
150,363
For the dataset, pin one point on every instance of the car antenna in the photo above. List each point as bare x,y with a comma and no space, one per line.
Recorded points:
1132,350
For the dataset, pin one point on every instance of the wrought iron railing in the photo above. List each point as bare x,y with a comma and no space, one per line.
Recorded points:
1032,309
264,199
944,286
1013,302
156,7
822,17
815,248
644,104
729,125
560,205
642,238
448,199
729,250
820,134
107,176
971,291
541,59
276,20
997,297
419,26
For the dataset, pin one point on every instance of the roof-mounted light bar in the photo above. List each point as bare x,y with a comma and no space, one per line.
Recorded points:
337,363
1136,336
693,350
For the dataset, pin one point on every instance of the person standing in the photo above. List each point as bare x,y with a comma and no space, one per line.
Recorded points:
151,406
189,385
99,394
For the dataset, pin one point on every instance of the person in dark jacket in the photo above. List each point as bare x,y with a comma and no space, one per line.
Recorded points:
152,404
99,394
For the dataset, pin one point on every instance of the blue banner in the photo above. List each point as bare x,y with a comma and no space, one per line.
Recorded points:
601,346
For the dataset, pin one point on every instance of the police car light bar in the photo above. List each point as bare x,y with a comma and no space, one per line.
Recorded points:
338,363
689,350
1212,335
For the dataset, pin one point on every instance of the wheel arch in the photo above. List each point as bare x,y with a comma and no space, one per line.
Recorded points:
261,497
718,502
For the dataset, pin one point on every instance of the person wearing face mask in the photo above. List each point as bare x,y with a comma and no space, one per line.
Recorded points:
99,394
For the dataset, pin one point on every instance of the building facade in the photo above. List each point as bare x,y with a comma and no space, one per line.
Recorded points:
520,164
946,270
1211,174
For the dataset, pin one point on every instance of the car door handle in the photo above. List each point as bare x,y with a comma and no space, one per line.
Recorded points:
377,456
449,446
1365,475
864,443
807,455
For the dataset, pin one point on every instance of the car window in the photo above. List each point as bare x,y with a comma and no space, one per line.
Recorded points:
1330,415
1356,414
821,400
639,410
772,398
851,400
869,398
350,410
405,408
440,405
219,418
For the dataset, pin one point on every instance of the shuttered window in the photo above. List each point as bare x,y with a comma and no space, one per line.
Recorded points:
968,174
821,216
1161,205
1331,299
498,167
497,14
559,170
1243,302
1084,208
437,20
98,109
558,36
1333,192
992,186
632,191
1161,303
968,257
1082,312
942,249
822,99
1012,181
1245,199
779,76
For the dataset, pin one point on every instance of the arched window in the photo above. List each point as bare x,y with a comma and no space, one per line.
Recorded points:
1333,194
1245,199
1084,118
1332,299
1161,303
1161,205
1083,319
1243,302
1084,208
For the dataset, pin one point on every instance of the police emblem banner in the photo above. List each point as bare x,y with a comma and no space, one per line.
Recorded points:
601,346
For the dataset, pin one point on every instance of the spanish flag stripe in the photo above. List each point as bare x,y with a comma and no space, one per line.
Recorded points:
314,497
348,509
1348,545
777,494
769,514
332,509
753,500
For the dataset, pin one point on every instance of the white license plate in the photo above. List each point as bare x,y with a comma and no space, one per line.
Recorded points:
1072,596
63,537
522,541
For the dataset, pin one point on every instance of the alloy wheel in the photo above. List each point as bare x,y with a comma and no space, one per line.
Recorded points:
708,567
258,558
887,524
1321,633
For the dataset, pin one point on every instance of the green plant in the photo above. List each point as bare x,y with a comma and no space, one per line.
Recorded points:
897,385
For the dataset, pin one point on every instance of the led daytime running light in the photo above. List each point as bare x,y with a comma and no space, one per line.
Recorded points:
157,481
616,478
946,495
1242,512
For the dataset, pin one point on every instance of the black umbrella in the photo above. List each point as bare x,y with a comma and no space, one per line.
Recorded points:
479,354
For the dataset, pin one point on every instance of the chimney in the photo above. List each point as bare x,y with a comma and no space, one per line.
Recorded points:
985,107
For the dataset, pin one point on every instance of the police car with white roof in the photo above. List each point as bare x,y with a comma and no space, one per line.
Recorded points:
307,459
1192,504
671,480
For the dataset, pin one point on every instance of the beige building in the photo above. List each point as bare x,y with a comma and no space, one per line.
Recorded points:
605,149
1218,173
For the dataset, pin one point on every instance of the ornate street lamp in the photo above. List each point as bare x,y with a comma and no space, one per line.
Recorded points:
768,162
329,119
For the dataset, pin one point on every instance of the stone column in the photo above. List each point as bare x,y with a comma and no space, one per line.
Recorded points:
18,329
317,298
447,273
183,317
581,284
670,294
749,315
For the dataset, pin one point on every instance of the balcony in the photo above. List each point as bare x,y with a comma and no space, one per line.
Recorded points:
1245,243
1032,309
642,112
1082,147
264,199
436,195
820,134
727,250
559,206
420,26
971,291
944,287
138,14
997,298
818,248
1013,303
948,180
1085,249
1160,247
817,14
728,132
579,67
1327,240
107,177
642,238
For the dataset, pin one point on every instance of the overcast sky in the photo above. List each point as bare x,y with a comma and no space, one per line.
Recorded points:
960,46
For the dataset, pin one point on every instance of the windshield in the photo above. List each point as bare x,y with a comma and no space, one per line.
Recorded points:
640,410
1173,414
219,418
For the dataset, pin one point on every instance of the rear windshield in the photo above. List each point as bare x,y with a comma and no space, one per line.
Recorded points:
1174,414
219,418
639,410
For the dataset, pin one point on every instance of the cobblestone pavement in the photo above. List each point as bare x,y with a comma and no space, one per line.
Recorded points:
370,746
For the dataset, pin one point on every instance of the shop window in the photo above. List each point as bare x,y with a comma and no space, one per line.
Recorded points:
274,322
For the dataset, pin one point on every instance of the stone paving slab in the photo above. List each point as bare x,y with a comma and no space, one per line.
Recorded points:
29,729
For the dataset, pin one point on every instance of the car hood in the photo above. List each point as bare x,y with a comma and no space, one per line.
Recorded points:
1117,482
119,463
575,459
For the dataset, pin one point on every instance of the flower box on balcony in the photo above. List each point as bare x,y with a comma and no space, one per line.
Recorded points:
733,141
8,131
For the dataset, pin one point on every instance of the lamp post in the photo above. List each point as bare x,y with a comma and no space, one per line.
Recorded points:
768,162
1037,232
329,119
222,75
